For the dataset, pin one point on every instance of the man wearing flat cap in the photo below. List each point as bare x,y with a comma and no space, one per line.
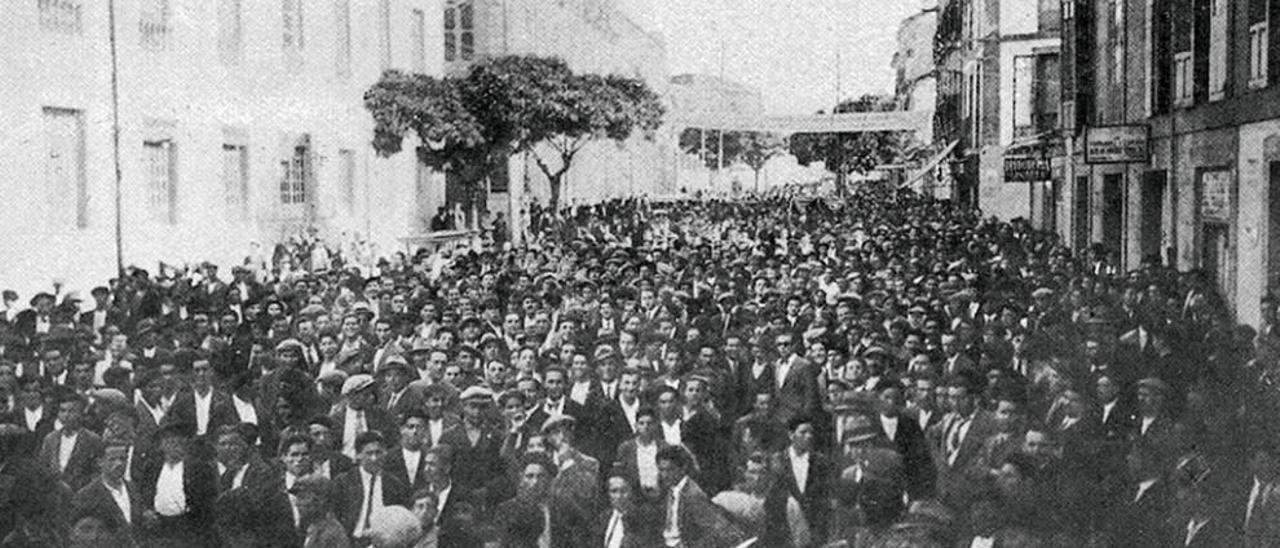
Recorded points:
396,395
1156,426
358,413
477,445
578,479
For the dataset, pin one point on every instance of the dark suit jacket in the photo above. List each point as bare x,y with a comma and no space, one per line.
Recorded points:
704,436
200,484
520,523
799,393
221,411
31,440
375,418
641,527
752,385
571,408
94,499
610,429
115,316
814,499
475,465
917,462
350,501
1217,533
1141,523
83,464
701,523
394,465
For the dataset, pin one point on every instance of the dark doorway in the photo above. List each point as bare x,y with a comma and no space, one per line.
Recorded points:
1153,198
1080,220
1216,254
1113,213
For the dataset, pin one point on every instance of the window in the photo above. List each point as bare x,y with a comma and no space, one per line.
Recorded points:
419,41
1023,94
1068,10
347,175
384,33
158,160
294,38
235,178
153,24
1183,80
1218,33
342,19
64,170
459,31
1117,42
296,172
64,16
1258,59
230,32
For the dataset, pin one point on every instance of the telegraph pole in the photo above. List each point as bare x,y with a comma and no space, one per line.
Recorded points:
115,135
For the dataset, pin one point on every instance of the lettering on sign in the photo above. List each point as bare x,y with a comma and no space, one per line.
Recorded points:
1026,169
1215,195
1117,145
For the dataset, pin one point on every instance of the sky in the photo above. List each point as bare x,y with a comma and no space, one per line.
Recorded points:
785,48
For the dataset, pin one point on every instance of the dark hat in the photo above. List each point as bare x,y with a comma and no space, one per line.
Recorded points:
175,429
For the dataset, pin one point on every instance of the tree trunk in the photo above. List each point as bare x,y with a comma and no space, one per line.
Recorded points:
553,182
757,181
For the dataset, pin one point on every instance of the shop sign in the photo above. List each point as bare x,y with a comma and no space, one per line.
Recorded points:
1026,169
1215,195
1117,145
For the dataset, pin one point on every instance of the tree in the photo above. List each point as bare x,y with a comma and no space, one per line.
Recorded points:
758,148
507,105
845,153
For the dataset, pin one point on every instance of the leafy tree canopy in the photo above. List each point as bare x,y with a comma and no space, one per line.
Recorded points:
852,152
510,104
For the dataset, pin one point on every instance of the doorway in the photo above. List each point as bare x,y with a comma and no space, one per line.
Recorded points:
1152,230
1080,219
1273,231
1113,214
1216,254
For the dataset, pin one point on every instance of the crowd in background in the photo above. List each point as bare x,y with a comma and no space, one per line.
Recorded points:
873,370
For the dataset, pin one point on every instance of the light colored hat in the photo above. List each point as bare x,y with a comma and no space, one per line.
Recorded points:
356,383
558,420
476,392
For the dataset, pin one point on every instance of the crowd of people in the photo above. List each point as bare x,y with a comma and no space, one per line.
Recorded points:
873,370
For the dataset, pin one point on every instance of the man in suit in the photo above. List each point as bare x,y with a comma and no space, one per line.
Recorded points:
37,320
111,498
477,447
796,381
807,475
690,519
961,440
957,362
523,521
637,458
1204,525
71,453
703,434
758,376
325,457
32,415
179,492
208,408
907,436
316,513
1144,504
555,401
237,465
577,480
398,396
1155,425
628,522
367,489
758,430
358,413
104,312
616,416
406,462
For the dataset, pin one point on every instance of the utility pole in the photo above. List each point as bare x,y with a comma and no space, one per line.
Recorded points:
115,134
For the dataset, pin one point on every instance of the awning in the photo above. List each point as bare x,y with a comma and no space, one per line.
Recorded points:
931,164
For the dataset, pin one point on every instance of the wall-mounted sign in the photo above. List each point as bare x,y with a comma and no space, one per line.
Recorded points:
1026,169
1215,196
1117,145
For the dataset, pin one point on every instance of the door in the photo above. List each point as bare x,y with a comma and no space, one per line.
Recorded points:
1216,254
1080,220
1273,232
1113,213
1153,198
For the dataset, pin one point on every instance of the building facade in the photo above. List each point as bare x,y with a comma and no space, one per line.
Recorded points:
1182,96
592,36
997,64
239,122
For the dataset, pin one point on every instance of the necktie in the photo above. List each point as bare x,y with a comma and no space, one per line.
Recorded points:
360,424
368,503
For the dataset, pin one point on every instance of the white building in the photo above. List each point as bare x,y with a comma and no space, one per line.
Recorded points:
239,121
